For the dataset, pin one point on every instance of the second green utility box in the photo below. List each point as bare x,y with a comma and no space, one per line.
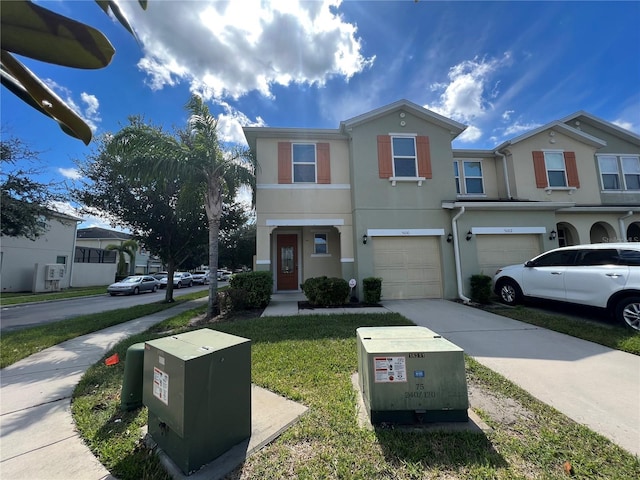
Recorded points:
197,387
411,375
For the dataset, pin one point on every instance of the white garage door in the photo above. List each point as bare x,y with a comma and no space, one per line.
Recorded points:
495,251
409,267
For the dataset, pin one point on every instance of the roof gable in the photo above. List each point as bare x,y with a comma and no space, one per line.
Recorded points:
560,127
454,127
575,118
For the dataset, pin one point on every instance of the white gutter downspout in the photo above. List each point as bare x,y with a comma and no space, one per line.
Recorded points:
506,173
456,254
621,224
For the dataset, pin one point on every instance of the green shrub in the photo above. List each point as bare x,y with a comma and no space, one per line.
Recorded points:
233,300
372,288
324,291
257,287
480,288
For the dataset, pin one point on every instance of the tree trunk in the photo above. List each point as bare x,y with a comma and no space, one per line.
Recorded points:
213,208
168,297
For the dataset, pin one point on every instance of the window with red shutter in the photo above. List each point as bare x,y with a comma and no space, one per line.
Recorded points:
284,162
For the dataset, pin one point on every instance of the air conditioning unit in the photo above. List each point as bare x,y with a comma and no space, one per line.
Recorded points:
411,375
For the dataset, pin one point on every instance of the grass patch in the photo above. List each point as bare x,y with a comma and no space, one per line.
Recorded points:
610,335
18,298
19,344
310,359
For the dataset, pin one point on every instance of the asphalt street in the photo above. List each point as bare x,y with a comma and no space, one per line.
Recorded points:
32,314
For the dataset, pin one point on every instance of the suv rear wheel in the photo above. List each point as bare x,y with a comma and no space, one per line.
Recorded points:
628,312
509,292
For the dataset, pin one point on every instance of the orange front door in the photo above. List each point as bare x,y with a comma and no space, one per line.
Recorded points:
287,277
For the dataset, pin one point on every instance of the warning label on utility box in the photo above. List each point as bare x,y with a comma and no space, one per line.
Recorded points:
161,385
390,369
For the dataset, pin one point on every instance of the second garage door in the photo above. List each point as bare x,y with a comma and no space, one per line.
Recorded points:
409,267
495,251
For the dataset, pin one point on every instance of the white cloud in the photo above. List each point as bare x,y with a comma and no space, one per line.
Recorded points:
471,134
507,115
71,173
226,49
466,96
231,122
517,128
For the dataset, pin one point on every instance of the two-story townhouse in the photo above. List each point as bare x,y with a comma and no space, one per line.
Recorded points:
386,195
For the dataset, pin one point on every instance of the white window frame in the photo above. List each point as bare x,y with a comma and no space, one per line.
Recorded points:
414,156
294,163
326,242
461,190
622,179
564,169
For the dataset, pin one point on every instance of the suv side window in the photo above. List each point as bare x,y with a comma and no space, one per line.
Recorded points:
607,256
630,257
556,259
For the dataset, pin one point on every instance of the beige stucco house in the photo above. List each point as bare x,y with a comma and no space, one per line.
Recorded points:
386,195
41,265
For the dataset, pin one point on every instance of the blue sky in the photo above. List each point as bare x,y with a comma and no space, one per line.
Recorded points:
501,68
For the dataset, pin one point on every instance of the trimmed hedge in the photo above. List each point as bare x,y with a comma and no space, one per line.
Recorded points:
256,288
325,291
372,288
481,288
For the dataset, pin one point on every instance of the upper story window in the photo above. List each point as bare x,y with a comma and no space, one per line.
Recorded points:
304,163
404,157
619,172
555,169
468,175
556,173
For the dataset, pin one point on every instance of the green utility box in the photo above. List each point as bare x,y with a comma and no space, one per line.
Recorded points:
197,387
131,395
411,375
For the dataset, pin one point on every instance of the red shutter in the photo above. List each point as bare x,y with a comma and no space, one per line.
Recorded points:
572,169
424,157
540,170
324,163
284,162
385,169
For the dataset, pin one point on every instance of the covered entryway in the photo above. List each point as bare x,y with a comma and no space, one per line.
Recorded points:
495,251
409,267
287,266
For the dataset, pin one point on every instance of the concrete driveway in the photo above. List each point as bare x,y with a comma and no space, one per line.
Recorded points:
594,385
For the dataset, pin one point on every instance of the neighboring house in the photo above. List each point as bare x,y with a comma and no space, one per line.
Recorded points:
386,195
41,265
99,238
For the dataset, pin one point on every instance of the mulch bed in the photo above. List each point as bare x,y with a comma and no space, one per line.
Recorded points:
304,305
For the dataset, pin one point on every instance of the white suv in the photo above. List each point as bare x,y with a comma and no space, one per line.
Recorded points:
604,275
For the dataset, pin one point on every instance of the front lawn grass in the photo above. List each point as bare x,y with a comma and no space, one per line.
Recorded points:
310,359
18,344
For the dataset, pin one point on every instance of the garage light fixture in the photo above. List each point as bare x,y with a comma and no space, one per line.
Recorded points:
469,235
364,239
449,238
552,235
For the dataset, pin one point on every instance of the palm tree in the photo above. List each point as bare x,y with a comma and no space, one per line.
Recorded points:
130,247
209,173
